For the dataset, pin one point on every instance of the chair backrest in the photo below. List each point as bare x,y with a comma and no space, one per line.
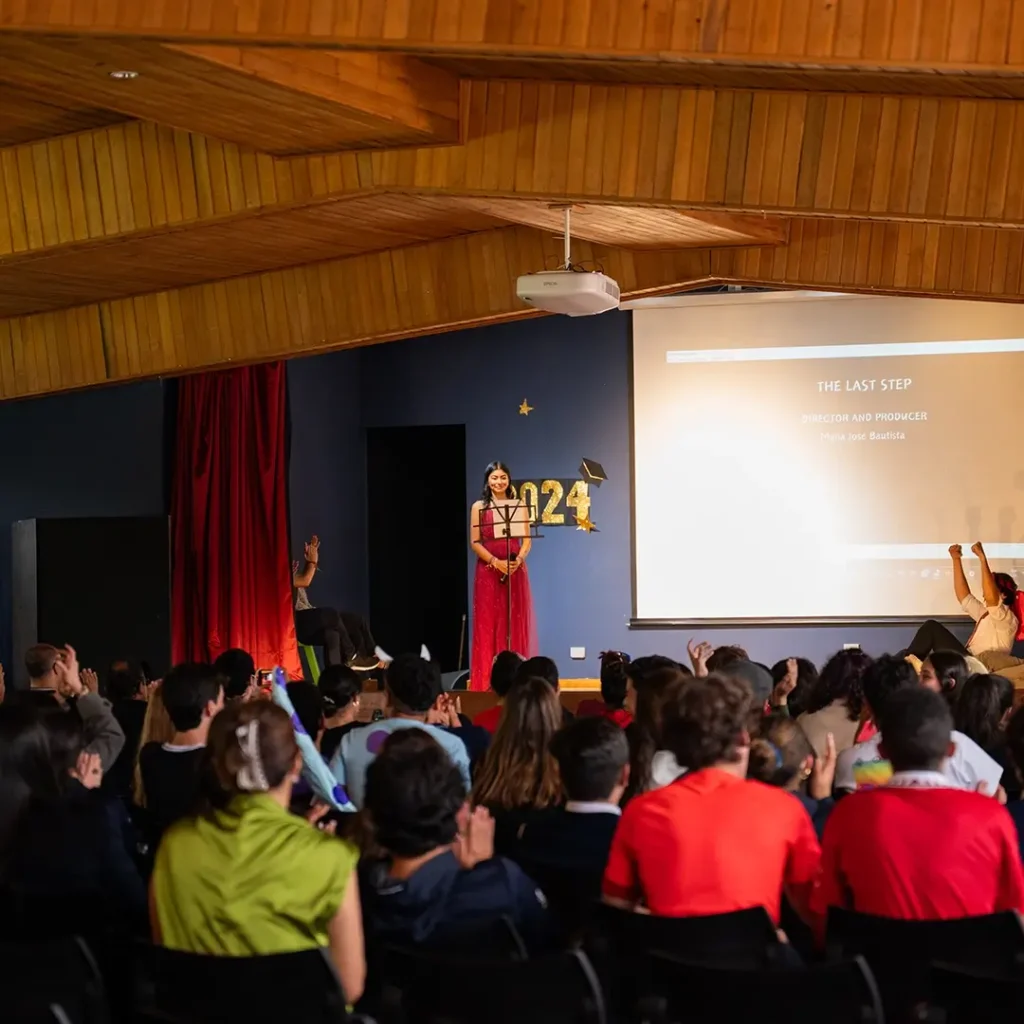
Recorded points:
900,952
964,995
427,988
51,980
203,989
840,993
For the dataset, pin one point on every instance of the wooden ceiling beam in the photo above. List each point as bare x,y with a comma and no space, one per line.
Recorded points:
276,101
948,36
466,281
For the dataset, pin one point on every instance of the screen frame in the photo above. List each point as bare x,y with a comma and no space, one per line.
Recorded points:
781,622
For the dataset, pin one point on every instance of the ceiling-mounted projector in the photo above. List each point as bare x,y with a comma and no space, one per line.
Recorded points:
572,292
569,290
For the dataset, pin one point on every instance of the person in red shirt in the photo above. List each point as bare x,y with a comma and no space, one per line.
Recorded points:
503,673
917,848
713,841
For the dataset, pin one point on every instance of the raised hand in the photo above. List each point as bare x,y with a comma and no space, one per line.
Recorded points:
699,651
312,550
69,681
90,681
786,685
475,841
955,551
977,549
823,774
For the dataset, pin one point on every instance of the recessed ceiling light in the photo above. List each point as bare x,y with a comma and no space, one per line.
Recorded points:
124,75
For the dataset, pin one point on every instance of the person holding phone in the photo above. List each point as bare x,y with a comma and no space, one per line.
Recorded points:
500,578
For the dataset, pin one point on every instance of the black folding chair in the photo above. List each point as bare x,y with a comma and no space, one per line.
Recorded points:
900,953
964,995
619,943
192,988
686,993
427,988
47,981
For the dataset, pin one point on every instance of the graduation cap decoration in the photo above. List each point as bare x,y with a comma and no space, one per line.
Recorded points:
593,472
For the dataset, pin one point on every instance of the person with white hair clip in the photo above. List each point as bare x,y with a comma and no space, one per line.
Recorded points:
243,876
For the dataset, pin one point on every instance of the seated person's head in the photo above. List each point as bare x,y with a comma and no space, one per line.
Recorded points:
238,671
340,687
639,670
1015,740
916,726
593,760
614,682
538,668
309,707
660,688
983,708
706,724
841,679
757,678
807,676
251,748
781,754
884,677
192,694
724,656
518,769
125,681
413,795
413,684
504,669
944,672
39,663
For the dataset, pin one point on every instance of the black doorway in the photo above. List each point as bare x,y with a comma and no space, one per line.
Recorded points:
414,602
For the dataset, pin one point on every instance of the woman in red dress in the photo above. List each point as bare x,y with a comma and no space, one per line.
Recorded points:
497,582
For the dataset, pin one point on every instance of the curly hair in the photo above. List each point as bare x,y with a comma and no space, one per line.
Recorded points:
841,679
413,795
519,769
704,724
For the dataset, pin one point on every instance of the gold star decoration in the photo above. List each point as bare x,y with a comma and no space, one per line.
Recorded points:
583,522
525,409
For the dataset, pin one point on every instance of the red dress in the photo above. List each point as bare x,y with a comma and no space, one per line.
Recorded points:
490,608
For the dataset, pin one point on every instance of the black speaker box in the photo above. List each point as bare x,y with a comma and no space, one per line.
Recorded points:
101,585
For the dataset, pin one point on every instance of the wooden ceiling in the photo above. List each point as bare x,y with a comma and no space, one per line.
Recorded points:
286,177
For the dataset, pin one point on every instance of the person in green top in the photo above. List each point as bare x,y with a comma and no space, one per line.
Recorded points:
244,877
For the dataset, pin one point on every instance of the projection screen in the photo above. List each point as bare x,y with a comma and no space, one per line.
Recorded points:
812,457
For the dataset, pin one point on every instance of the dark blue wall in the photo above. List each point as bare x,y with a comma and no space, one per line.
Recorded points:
97,453
575,372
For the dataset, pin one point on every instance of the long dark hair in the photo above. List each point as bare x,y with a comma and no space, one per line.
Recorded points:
981,707
485,493
841,679
657,690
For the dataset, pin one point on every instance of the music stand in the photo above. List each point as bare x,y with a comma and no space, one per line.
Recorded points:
511,518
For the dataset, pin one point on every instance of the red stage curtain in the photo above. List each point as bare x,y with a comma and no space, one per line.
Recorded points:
231,574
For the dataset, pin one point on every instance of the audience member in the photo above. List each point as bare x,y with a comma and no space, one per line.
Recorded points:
244,877
836,701
724,656
65,861
412,685
614,691
759,680
652,765
503,674
917,847
981,713
518,781
438,879
593,764
1015,748
781,755
127,692
799,694
864,766
713,841
157,728
543,668
944,672
340,687
446,713
238,674
192,695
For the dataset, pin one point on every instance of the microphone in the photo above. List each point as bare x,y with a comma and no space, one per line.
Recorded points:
503,578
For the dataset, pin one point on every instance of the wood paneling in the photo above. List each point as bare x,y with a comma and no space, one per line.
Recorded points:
276,101
227,247
886,157
462,281
26,116
631,227
899,33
